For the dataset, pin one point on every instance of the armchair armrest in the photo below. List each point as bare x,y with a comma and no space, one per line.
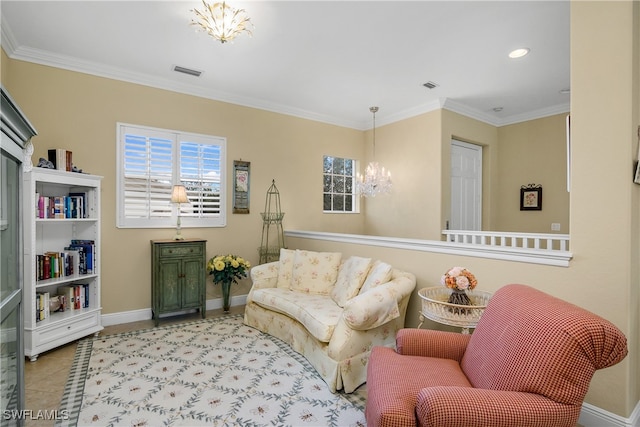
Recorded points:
265,275
379,305
431,343
444,406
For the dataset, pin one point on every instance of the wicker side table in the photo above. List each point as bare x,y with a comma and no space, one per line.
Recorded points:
435,307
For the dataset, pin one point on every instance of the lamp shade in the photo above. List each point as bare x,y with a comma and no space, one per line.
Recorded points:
179,194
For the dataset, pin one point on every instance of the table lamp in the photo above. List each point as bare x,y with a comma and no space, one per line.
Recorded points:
179,195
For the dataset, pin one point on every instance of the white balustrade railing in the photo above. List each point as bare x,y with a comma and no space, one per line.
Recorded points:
535,241
549,249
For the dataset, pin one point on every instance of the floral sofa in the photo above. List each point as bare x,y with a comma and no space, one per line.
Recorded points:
330,310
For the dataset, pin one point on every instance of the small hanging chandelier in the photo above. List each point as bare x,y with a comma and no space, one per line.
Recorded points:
375,180
221,21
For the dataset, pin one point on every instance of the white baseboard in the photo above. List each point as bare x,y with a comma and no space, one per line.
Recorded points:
592,416
146,313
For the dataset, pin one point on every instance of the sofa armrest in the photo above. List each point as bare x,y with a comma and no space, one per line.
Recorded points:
432,343
265,275
447,406
379,305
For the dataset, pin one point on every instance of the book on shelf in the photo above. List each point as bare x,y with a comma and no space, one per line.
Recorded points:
80,206
62,159
78,257
42,306
89,247
59,207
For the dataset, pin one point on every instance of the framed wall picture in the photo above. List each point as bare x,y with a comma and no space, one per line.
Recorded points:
241,186
531,197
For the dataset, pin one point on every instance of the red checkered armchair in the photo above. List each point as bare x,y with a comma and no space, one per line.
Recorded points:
528,363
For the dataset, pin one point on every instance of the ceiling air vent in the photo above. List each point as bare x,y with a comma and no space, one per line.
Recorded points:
430,85
185,70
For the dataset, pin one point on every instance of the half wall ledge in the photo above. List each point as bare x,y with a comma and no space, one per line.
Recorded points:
558,258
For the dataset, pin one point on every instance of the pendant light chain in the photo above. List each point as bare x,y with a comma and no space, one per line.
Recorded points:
375,179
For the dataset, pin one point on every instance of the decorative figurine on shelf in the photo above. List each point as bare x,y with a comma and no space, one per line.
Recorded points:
44,163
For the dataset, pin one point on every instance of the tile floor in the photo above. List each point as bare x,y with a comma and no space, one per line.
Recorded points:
46,377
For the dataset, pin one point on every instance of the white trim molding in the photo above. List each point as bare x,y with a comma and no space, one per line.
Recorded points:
534,256
592,416
146,313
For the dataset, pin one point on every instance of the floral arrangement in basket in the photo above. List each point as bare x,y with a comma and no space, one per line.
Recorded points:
459,279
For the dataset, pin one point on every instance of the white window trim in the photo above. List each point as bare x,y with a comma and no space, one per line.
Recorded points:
356,197
170,222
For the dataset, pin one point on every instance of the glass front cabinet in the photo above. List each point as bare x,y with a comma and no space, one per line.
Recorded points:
16,147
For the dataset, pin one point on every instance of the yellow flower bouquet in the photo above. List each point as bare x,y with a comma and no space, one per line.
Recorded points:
227,268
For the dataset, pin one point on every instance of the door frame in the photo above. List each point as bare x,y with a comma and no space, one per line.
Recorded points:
478,149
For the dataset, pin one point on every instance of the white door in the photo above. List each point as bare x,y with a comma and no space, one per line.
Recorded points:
466,186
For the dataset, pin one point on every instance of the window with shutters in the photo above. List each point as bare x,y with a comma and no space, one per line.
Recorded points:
151,161
339,179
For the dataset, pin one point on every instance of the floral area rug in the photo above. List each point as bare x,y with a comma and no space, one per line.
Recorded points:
211,372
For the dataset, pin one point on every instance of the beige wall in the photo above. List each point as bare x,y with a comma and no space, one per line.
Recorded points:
79,112
410,150
605,207
533,152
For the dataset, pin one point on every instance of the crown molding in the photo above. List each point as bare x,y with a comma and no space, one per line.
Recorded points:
69,63
46,58
536,114
7,39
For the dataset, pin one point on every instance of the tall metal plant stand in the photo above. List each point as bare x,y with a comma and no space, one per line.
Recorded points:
272,232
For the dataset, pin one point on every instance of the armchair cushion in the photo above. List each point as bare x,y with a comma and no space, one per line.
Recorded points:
394,403
530,341
444,406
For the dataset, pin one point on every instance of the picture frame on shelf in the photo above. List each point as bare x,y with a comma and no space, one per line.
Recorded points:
531,197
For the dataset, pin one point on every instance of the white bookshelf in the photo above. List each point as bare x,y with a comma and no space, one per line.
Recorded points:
42,235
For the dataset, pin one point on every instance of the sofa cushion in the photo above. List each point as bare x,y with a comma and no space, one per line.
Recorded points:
315,272
285,268
318,313
351,275
380,273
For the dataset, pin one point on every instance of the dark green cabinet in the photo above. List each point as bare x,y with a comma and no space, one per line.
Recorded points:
178,277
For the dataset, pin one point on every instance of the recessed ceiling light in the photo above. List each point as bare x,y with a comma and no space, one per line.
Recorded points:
518,53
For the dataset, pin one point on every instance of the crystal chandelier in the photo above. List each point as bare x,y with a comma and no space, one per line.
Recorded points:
221,21
375,179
